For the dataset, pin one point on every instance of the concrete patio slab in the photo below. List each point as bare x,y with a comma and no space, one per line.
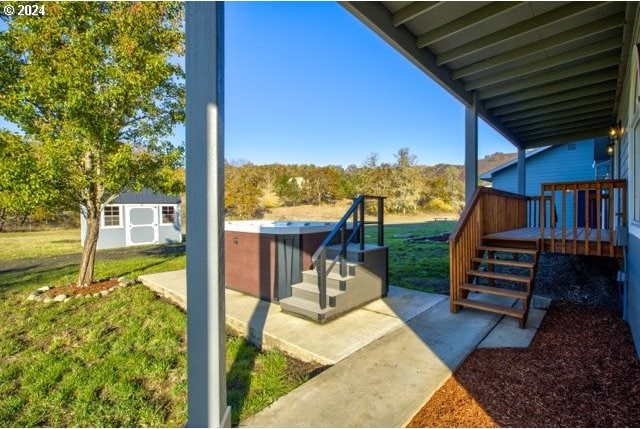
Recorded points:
385,383
388,357
171,285
507,333
267,326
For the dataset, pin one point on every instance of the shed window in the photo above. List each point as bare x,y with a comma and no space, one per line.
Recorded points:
111,216
168,214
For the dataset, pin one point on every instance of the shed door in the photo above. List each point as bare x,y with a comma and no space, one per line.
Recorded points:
142,225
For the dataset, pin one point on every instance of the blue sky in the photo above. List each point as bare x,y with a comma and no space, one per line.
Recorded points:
308,83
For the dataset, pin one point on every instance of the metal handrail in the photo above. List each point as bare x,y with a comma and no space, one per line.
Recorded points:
319,258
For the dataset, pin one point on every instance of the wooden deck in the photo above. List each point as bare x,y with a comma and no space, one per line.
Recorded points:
533,234
598,242
496,223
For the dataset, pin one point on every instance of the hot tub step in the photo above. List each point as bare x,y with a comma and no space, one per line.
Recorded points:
302,307
353,251
310,292
351,267
334,280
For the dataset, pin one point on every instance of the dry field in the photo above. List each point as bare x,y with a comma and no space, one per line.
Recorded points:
333,212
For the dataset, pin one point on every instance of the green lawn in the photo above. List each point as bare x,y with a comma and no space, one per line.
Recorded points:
118,360
417,265
19,245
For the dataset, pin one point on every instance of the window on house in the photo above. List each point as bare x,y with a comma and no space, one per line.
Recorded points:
111,216
168,214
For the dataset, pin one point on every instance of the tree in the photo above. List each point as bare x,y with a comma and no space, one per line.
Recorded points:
371,161
322,185
241,192
404,189
405,159
19,181
95,90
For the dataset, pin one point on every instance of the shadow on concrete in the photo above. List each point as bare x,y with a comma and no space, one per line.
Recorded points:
239,374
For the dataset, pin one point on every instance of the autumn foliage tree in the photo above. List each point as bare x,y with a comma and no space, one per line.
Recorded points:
23,187
95,89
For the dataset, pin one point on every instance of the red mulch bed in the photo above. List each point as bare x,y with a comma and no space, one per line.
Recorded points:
581,370
72,289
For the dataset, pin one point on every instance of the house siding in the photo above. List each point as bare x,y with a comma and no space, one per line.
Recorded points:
556,164
624,158
633,289
629,114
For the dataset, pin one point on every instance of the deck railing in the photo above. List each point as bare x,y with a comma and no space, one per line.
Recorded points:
490,211
581,217
357,212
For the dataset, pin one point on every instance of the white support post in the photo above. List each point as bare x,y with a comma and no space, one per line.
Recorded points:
471,149
522,172
206,377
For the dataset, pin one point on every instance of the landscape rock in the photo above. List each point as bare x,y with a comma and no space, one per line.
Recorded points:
96,295
67,299
47,299
123,283
44,288
61,297
39,298
33,296
104,292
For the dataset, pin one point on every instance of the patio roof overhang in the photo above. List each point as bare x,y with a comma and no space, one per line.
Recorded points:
542,73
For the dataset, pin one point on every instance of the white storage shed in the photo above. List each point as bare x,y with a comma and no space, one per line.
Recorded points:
137,218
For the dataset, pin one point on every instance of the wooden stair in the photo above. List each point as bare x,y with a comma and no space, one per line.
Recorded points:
493,275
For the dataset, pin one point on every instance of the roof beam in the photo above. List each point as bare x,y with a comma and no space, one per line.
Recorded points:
578,82
573,127
558,107
555,115
375,16
570,137
589,116
629,33
412,11
523,27
546,63
464,22
556,98
541,79
577,33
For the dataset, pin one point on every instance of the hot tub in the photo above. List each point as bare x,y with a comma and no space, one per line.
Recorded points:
264,258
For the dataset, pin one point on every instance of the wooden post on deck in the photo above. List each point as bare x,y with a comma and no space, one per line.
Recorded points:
471,149
521,170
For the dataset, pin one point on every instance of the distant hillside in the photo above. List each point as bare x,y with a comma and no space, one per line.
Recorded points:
492,161
485,164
